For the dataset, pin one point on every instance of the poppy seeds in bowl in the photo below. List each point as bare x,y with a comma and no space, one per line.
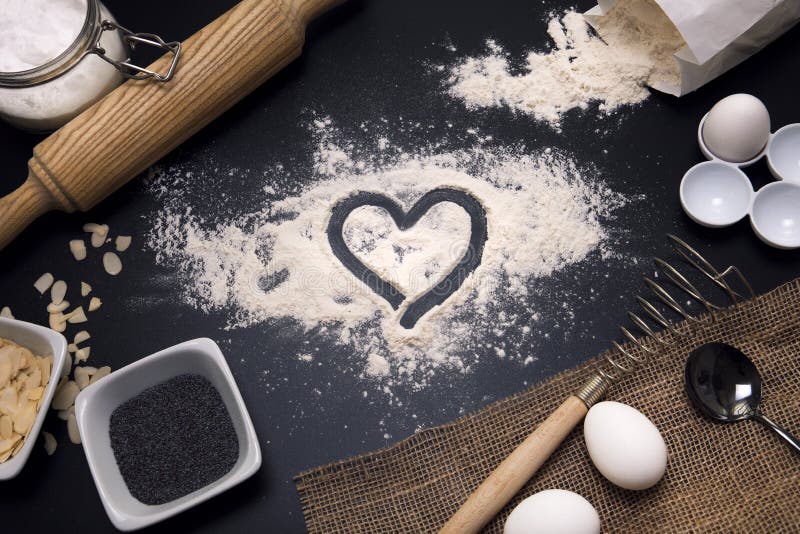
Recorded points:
172,439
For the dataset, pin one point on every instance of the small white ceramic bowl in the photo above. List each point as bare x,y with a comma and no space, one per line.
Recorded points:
94,407
715,194
783,153
42,342
775,215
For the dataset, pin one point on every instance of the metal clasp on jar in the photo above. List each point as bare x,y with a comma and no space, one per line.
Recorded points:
129,69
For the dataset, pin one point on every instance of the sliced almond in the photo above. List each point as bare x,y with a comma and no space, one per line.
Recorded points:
46,367
100,374
123,242
67,367
72,347
64,414
81,355
6,427
77,316
50,443
34,379
18,447
99,233
58,322
25,358
112,264
8,401
78,249
72,429
6,312
8,444
15,355
85,289
95,304
43,283
5,370
82,377
58,291
98,240
81,336
58,308
94,228
23,421
65,396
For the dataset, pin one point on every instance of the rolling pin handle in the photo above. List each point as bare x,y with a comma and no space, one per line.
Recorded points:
21,207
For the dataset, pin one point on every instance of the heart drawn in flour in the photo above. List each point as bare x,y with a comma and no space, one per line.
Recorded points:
405,220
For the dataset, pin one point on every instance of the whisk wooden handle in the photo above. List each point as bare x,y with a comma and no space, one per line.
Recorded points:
513,472
141,121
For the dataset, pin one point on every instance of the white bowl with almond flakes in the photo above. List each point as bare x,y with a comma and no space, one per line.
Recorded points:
40,341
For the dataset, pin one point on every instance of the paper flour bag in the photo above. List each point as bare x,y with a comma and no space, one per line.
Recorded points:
694,40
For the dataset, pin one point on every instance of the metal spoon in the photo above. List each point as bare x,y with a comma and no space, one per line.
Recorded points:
724,383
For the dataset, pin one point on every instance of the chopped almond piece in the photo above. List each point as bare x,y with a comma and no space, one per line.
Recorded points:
95,304
77,316
78,249
123,242
50,443
58,292
43,283
112,264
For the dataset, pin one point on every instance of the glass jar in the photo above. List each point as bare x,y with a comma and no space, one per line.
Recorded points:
53,79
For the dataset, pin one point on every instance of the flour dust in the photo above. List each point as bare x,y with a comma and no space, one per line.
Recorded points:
636,50
274,264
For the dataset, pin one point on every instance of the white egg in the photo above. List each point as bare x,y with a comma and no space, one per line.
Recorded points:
553,511
625,446
737,128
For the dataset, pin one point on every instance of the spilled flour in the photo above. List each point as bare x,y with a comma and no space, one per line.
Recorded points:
543,211
636,51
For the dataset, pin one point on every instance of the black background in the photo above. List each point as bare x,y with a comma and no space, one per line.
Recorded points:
363,61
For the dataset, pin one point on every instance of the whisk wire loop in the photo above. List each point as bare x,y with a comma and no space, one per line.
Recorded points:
694,258
626,357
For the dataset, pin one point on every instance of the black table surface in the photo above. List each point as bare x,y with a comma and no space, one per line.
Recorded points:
363,61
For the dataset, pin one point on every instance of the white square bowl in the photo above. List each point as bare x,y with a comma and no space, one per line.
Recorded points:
42,342
96,403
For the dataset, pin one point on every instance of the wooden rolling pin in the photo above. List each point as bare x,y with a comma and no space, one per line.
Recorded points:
141,121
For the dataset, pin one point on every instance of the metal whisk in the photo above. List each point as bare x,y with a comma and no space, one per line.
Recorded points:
652,320
622,361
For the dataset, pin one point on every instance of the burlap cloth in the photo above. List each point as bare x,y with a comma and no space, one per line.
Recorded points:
720,477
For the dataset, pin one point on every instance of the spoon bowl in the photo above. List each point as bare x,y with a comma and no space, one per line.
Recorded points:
725,385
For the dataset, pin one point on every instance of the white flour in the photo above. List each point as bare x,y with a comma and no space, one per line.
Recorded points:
544,213
581,69
33,32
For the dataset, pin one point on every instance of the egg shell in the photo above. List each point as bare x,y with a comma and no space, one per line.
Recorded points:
625,446
553,511
737,128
